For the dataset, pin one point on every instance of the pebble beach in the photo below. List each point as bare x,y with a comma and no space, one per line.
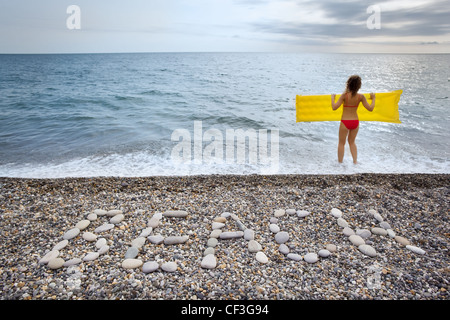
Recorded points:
226,237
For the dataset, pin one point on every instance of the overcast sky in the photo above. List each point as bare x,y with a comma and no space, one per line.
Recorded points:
406,26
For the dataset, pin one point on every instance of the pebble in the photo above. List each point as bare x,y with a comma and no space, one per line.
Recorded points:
261,257
391,233
324,253
153,222
336,213
217,225
282,237
331,247
385,225
367,250
175,240
156,239
117,218
220,219
283,248
403,241
290,211
363,233
56,263
61,245
92,217
72,233
348,231
274,228
91,256
146,232
112,213
311,257
100,212
175,213
209,261
302,213
131,263
379,231
356,240
83,224
294,256
231,234
131,253
279,213
254,246
378,217
249,234
169,266
103,249
342,222
215,233
150,266
212,242
89,236
415,249
104,227
72,262
209,250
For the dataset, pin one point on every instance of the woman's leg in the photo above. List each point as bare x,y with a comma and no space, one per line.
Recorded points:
351,142
343,131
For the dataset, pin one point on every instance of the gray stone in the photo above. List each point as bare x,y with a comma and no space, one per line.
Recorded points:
153,222
209,261
324,253
146,232
290,211
212,242
72,233
283,248
83,224
217,225
49,256
175,213
138,242
279,213
335,212
61,245
103,249
342,223
150,266
311,257
91,256
379,231
156,239
100,212
294,256
240,225
175,239
415,249
348,231
209,250
92,217
391,233
385,225
282,237
249,234
131,253
261,257
104,227
274,228
356,240
215,233
131,263
331,247
378,217
302,213
169,266
72,262
363,233
89,236
56,263
231,234
117,218
254,246
112,213
367,250
100,243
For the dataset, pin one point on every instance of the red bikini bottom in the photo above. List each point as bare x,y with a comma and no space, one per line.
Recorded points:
350,124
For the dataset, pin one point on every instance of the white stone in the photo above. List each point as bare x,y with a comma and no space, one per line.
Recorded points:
261,257
112,213
209,261
372,212
212,242
335,212
56,263
215,233
150,266
225,214
131,263
294,256
156,239
175,239
100,212
391,233
231,234
72,233
378,217
279,213
103,249
367,250
282,237
331,247
60,245
274,228
175,213
104,227
249,234
283,248
324,253
379,231
157,215
169,266
153,222
290,211
92,217
342,223
311,257
72,262
254,246
89,236
91,256
217,225
49,256
415,249
117,218
138,242
146,232
83,224
348,231
356,240
209,250
302,213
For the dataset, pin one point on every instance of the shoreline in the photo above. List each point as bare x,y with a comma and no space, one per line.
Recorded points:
36,213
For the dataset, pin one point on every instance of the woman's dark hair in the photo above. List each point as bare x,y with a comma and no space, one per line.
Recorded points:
353,84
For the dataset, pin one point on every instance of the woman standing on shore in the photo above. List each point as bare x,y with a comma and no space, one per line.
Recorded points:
349,121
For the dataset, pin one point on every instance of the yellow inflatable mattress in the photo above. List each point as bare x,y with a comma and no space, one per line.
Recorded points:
318,108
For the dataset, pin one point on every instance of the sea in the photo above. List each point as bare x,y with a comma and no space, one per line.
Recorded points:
180,114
